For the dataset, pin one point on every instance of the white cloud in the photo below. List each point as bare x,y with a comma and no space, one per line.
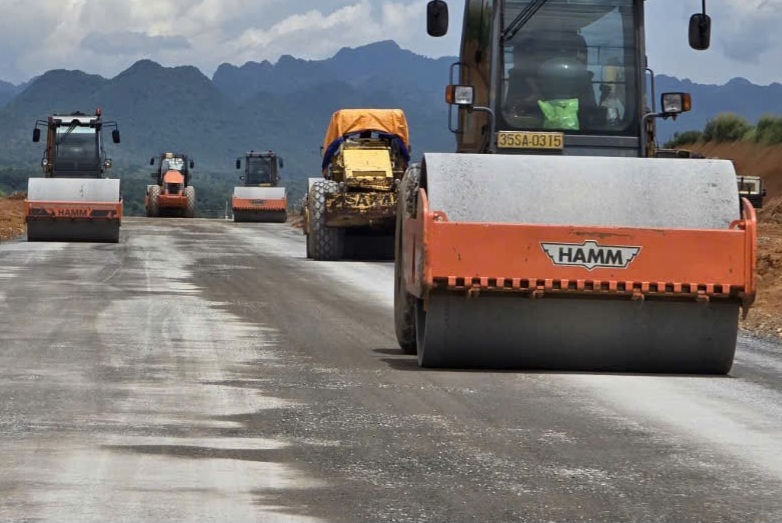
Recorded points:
745,40
85,34
45,34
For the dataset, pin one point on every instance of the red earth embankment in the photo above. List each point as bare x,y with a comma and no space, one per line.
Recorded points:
12,216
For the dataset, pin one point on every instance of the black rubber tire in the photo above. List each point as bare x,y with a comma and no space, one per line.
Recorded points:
191,201
404,302
153,209
327,243
305,225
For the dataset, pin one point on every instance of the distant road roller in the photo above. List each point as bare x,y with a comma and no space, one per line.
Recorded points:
554,238
260,199
351,210
172,194
74,201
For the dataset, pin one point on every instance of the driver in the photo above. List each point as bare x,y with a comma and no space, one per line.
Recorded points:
549,76
523,89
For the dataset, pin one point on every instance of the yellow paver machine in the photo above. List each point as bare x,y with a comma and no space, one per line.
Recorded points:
554,238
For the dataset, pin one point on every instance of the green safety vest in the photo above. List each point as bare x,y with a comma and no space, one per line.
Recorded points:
560,114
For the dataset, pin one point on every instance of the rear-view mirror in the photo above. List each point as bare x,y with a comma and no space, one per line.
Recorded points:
437,18
152,161
36,135
281,164
700,31
192,164
238,164
115,136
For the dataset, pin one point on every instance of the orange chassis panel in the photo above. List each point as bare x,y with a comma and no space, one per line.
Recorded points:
255,204
64,210
168,201
499,257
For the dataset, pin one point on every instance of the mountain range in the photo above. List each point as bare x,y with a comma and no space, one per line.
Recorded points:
283,106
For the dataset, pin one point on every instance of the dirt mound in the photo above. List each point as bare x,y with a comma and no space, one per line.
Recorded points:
750,159
766,316
771,211
12,217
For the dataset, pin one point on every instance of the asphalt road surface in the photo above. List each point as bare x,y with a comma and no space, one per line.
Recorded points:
206,371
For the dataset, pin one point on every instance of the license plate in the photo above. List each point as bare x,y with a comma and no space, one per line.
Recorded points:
530,140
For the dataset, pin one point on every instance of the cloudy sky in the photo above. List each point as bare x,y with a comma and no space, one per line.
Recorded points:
107,36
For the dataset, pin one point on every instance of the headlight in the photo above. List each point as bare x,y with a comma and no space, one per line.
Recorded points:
460,94
676,103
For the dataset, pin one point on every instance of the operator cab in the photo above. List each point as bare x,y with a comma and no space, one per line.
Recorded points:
172,162
261,169
74,146
556,77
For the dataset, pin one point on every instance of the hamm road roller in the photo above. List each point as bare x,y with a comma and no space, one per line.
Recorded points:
553,238
74,201
260,199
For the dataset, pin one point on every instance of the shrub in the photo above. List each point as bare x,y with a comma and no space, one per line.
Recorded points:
726,127
769,130
685,138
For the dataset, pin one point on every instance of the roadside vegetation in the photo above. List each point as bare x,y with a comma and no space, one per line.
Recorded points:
731,127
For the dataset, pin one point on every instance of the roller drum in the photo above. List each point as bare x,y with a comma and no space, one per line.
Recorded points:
511,330
505,331
57,192
260,193
73,231
73,190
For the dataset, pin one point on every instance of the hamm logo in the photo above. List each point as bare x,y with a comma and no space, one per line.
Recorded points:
590,254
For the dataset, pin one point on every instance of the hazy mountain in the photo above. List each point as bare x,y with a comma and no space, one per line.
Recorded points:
7,92
380,66
284,106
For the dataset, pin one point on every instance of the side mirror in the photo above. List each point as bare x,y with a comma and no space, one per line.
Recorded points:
115,136
36,135
282,165
241,178
152,161
436,18
700,31
238,164
460,95
107,163
192,164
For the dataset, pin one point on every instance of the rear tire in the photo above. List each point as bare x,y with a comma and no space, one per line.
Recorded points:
191,201
327,243
404,302
153,209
